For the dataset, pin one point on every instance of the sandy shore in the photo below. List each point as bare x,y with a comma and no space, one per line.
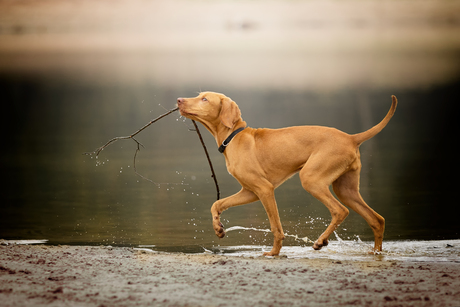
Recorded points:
39,275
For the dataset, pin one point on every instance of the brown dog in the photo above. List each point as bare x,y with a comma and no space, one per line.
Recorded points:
262,159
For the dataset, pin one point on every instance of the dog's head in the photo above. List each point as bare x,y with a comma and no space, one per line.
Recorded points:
210,109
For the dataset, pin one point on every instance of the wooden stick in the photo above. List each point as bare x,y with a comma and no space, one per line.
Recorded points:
209,159
111,141
98,150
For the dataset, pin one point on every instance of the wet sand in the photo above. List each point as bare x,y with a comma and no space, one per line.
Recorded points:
39,275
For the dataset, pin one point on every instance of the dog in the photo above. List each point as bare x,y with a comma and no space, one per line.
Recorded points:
262,159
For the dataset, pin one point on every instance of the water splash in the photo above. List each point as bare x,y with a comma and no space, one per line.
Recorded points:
414,251
245,228
304,239
340,249
22,242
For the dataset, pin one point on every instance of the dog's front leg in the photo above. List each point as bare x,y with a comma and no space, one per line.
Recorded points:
268,200
242,197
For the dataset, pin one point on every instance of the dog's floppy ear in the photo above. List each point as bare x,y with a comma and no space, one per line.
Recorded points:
229,113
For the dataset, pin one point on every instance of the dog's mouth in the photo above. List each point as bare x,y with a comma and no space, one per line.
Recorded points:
186,114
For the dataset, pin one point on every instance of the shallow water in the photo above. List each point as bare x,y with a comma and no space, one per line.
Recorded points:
442,250
338,249
415,251
55,192
69,96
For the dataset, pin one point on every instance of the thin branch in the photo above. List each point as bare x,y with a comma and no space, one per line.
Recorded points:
98,150
209,159
135,169
139,144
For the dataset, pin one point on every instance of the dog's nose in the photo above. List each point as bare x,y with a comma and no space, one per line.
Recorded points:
180,100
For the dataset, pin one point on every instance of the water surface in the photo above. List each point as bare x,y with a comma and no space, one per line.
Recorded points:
51,191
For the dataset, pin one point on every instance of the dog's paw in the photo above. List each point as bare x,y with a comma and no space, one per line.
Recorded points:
375,251
319,244
219,229
270,254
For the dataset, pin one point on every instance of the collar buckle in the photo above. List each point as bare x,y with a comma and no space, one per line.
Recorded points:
227,140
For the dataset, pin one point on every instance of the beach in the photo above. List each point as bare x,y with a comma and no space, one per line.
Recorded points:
41,275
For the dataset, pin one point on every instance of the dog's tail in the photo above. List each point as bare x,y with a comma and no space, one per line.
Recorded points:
366,135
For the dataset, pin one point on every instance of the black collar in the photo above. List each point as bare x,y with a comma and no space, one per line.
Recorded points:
227,140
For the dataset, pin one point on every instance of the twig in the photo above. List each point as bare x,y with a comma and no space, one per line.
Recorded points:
209,159
142,176
99,149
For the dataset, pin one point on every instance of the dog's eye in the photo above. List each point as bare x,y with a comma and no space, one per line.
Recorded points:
204,99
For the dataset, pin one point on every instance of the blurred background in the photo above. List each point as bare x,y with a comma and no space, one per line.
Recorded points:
74,74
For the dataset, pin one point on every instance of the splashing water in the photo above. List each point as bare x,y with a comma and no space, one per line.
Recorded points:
339,249
304,239
22,242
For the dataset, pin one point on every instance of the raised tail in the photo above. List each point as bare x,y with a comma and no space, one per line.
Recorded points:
366,135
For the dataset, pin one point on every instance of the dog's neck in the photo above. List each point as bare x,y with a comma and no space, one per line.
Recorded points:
221,132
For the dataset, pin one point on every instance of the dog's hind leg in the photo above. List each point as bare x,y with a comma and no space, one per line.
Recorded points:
316,178
346,187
